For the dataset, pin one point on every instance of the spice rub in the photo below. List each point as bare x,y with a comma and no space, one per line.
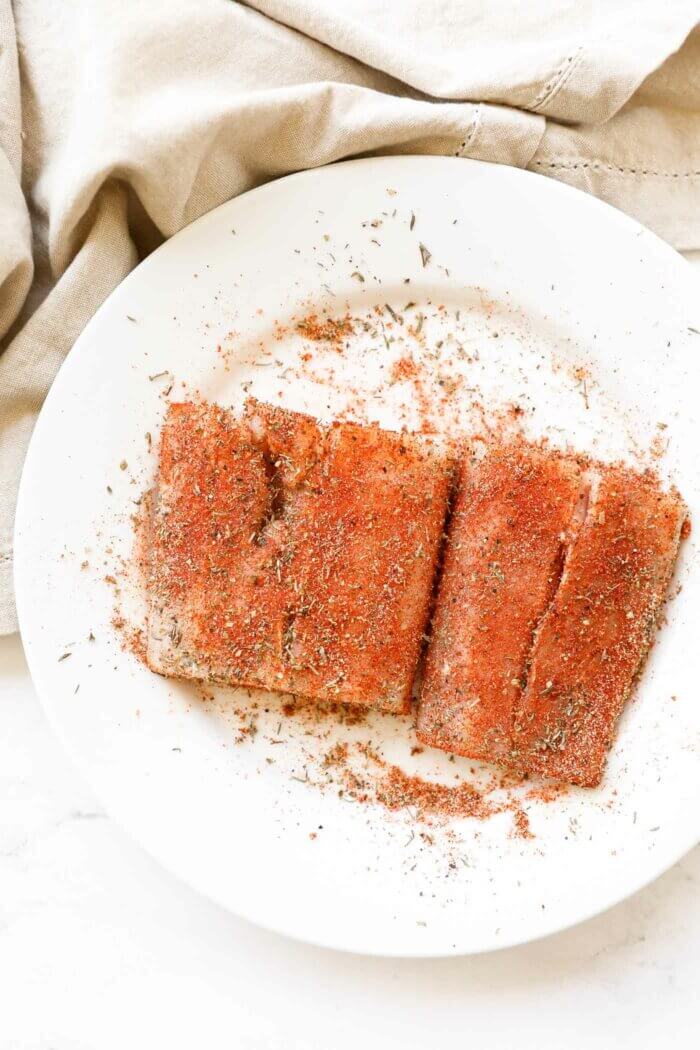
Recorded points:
553,582
514,515
214,605
292,556
298,557
594,637
361,567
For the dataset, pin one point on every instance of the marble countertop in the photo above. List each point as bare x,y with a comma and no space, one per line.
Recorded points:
100,948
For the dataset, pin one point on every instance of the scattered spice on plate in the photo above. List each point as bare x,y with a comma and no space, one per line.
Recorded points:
327,330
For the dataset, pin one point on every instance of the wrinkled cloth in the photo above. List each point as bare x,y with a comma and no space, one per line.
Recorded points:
122,122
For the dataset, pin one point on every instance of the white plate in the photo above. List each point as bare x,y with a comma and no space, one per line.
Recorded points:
565,282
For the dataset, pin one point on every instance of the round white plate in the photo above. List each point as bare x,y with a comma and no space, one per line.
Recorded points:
527,282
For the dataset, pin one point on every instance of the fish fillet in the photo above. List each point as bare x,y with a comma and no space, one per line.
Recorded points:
514,513
292,556
361,566
594,637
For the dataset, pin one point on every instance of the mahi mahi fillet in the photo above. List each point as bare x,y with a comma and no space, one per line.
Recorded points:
552,586
293,556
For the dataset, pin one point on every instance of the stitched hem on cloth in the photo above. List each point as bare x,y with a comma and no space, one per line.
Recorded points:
556,82
595,165
470,132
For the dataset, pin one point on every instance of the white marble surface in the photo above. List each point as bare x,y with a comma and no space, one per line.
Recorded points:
100,948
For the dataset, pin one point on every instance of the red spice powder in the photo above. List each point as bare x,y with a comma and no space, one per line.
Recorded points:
430,399
548,791
328,330
133,639
337,757
314,712
522,825
397,789
405,368
378,782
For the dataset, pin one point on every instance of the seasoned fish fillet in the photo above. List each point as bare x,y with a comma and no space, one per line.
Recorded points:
216,610
512,519
594,637
292,556
361,567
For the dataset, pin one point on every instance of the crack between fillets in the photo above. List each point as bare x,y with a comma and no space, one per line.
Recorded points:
436,584
290,481
278,494
582,511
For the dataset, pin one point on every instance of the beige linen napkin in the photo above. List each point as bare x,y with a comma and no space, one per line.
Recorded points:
122,122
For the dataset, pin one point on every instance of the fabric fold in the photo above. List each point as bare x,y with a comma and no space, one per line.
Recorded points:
122,123
560,60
